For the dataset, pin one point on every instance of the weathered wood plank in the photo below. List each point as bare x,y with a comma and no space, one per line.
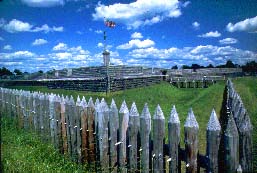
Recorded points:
103,120
91,131
231,142
123,124
68,125
64,126
114,126
191,128
158,138
84,127
213,142
145,130
79,108
174,141
133,130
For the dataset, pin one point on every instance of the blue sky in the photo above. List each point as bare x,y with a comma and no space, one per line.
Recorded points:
55,34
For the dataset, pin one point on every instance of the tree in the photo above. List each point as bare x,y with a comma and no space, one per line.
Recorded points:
250,67
230,64
17,72
5,72
186,67
174,67
210,66
40,71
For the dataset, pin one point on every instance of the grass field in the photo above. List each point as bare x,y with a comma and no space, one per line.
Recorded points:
201,100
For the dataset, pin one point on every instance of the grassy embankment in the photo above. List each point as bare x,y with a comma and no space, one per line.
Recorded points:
201,100
247,89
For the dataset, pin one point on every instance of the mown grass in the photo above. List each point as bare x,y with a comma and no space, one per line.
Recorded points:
247,89
23,151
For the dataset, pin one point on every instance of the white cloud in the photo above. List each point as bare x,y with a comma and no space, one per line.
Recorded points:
248,25
15,26
100,45
203,55
136,35
63,55
60,46
228,41
139,13
24,53
39,41
7,47
210,34
98,31
196,25
136,44
43,3
1,39
186,3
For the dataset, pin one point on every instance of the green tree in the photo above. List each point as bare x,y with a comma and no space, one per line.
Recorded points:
5,72
17,72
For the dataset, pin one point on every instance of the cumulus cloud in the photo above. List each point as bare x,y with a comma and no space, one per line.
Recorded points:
136,43
39,41
15,26
248,25
7,47
43,3
228,41
136,35
210,34
196,25
60,46
202,54
139,13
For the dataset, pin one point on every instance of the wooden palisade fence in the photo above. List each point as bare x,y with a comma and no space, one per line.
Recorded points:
112,140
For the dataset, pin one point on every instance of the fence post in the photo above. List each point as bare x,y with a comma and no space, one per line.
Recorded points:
158,139
58,120
174,140
84,139
91,131
213,142
68,125
191,128
72,121
245,144
123,122
97,105
51,118
79,108
133,128
64,126
231,141
103,119
41,114
145,129
114,126
46,118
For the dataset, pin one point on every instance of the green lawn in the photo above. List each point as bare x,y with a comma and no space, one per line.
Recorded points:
201,100
23,151
247,89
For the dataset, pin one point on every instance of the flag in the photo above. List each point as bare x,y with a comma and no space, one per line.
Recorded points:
109,23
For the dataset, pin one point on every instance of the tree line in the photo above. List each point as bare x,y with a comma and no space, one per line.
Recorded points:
249,67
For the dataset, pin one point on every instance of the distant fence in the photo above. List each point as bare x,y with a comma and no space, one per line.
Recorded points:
119,141
194,81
